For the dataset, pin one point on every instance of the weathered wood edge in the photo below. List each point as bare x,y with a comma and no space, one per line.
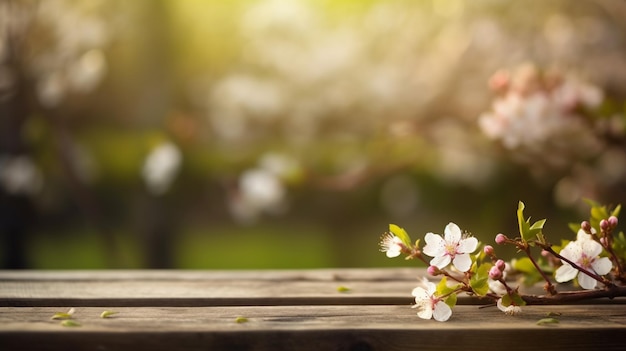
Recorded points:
208,302
239,288
609,339
334,274
314,328
223,318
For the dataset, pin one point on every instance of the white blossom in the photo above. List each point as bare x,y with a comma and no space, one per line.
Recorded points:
428,305
391,245
535,113
453,247
161,167
511,309
20,175
584,252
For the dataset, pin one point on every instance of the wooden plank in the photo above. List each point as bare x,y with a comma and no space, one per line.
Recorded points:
313,328
337,275
167,310
206,288
236,288
201,293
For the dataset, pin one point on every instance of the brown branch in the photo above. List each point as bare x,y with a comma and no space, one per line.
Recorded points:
549,286
610,292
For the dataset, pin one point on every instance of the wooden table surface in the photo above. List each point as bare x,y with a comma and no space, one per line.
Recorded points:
285,310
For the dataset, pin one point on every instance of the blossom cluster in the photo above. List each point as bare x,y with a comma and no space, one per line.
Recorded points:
560,126
596,256
535,111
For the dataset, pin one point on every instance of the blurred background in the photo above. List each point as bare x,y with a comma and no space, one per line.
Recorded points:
289,133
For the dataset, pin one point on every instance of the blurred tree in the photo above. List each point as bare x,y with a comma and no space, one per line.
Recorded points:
156,119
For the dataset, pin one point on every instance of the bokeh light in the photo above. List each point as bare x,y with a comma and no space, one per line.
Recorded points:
289,133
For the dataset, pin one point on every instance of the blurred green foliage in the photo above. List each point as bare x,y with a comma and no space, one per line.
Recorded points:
344,115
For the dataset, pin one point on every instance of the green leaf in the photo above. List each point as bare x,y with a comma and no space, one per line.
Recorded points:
70,323
599,213
400,233
506,300
451,300
531,276
480,256
241,319
526,230
480,280
444,289
616,211
343,289
107,314
538,226
541,238
513,298
547,321
524,227
535,230
517,299
524,265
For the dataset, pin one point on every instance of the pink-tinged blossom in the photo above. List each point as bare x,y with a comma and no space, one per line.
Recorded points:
488,249
613,221
428,305
432,270
495,273
391,245
537,115
586,227
453,247
585,253
495,285
604,225
501,239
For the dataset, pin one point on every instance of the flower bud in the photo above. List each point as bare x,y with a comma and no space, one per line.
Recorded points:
501,239
613,221
604,225
488,249
433,270
495,273
501,265
586,226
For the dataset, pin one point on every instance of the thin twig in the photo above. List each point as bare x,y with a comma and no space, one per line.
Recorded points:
610,292
549,286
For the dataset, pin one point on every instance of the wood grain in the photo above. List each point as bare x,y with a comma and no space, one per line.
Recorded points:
285,310
313,328
338,275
